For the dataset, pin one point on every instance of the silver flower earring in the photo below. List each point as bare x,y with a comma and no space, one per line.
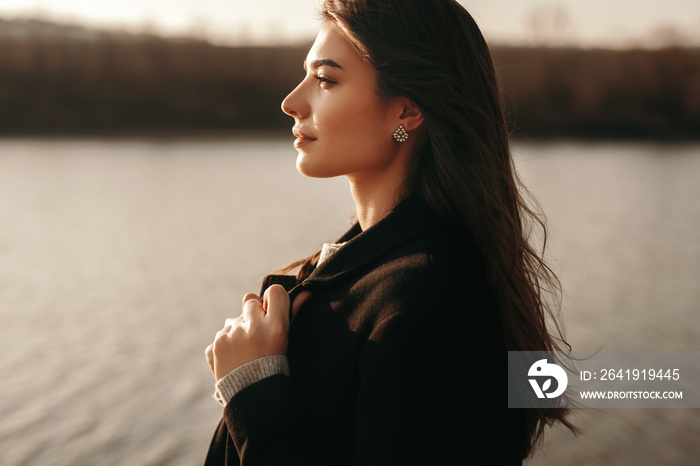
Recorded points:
400,135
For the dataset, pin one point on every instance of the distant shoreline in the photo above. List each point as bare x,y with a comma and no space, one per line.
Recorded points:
281,135
186,134
63,82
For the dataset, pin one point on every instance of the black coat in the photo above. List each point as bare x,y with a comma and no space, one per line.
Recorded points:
397,359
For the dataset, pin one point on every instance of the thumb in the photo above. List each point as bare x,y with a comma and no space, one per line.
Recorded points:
276,302
299,301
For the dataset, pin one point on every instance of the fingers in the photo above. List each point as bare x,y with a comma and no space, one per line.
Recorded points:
249,296
276,302
252,310
230,323
260,330
209,354
252,307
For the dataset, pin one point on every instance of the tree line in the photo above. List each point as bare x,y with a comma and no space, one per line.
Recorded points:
127,84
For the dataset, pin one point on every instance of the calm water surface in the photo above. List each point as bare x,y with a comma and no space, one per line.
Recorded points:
120,259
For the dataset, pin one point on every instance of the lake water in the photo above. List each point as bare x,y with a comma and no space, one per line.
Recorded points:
120,259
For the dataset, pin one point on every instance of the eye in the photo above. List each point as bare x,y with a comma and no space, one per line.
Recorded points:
324,81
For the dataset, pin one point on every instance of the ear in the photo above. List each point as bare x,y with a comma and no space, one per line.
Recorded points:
411,116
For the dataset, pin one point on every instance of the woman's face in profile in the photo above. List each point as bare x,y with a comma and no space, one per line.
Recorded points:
342,126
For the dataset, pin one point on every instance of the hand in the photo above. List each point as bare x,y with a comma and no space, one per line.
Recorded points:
261,330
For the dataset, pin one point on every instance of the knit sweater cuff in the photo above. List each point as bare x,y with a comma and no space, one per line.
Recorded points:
249,373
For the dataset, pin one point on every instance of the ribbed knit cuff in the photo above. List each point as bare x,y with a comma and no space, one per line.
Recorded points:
249,373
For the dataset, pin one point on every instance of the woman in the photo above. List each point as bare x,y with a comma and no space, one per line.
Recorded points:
396,350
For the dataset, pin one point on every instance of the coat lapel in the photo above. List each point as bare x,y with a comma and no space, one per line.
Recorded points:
409,218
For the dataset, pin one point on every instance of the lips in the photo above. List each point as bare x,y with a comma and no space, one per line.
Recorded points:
301,136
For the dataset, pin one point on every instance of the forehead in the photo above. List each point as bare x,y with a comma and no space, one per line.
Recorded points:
330,44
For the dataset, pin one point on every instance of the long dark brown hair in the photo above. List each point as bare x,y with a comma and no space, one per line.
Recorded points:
433,52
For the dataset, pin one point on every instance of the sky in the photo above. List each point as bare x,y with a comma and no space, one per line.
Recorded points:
612,23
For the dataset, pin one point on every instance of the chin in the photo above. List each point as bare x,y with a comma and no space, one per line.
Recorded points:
307,167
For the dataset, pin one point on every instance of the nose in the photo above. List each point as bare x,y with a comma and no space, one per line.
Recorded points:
295,104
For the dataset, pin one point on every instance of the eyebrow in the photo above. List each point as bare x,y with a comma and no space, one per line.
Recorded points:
323,62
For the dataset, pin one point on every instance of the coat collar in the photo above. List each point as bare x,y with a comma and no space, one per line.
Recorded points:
408,219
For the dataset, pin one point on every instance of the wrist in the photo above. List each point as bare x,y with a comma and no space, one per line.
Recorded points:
248,374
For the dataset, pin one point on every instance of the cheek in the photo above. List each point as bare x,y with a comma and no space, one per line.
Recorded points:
359,124
352,139
367,135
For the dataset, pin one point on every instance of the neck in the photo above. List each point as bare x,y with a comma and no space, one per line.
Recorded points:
377,192
374,198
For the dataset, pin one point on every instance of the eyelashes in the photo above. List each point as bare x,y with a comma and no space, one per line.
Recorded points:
324,81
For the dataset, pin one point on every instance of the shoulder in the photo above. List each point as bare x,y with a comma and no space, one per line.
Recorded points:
439,269
440,256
